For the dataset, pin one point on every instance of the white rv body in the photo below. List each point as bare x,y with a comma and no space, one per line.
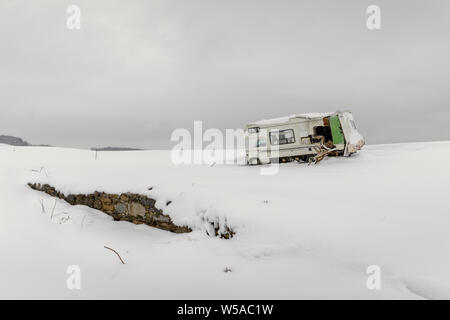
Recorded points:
301,137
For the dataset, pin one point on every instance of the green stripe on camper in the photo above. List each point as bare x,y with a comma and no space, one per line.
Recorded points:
336,130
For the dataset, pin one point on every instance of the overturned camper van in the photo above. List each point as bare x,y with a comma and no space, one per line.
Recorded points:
302,137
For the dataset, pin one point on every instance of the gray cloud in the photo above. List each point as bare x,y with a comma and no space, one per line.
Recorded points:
139,69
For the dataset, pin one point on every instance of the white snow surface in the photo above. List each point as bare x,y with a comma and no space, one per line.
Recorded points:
307,232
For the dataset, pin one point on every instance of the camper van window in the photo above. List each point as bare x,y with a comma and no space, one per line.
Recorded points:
253,130
261,143
282,137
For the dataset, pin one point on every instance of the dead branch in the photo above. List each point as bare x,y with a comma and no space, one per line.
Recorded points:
53,210
115,253
42,205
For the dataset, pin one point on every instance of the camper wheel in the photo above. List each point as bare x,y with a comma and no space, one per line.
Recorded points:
305,158
286,159
254,161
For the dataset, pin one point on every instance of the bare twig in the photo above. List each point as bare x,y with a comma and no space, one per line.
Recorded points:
115,253
42,205
40,171
53,210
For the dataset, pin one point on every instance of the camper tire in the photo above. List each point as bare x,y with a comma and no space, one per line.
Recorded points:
305,159
254,161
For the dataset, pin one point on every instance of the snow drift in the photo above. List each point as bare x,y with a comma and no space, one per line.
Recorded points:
306,232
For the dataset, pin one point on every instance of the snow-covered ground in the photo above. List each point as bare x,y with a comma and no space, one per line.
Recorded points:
306,232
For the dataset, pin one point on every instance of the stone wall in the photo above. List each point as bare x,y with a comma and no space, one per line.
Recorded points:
132,207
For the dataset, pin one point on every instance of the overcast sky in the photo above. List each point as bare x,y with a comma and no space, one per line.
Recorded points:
137,70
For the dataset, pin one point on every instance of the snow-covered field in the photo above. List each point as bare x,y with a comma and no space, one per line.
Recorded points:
306,232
